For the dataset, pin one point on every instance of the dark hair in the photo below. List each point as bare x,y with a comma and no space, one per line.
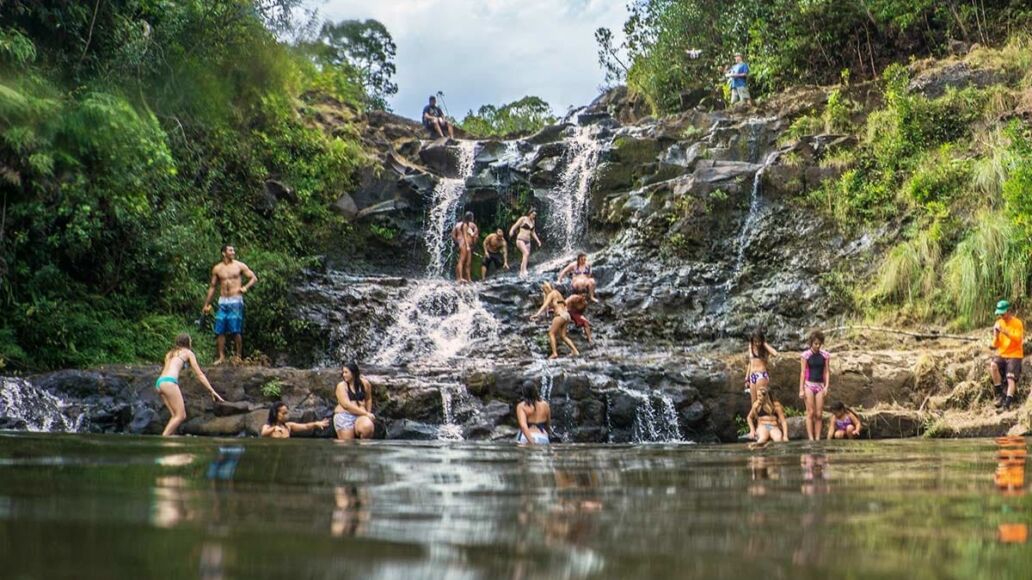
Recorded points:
433,98
183,340
530,393
839,407
582,255
468,216
815,335
357,388
224,246
274,412
758,344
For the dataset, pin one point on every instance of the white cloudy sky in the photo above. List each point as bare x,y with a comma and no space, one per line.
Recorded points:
489,51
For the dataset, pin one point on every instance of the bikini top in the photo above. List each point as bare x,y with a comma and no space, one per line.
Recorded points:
585,271
524,226
762,412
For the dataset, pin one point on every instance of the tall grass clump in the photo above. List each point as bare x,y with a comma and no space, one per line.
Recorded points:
988,264
910,270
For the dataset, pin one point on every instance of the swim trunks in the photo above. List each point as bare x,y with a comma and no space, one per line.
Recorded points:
755,377
578,318
493,259
343,421
230,317
1010,368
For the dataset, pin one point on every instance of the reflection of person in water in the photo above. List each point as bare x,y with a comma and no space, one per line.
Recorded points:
1011,455
815,478
351,511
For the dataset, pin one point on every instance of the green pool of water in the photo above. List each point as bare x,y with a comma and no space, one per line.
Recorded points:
84,506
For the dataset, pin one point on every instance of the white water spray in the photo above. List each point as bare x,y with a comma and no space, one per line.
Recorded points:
446,196
40,410
568,202
435,323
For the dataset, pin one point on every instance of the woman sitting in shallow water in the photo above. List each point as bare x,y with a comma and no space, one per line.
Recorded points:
167,384
353,416
553,300
533,416
767,420
279,428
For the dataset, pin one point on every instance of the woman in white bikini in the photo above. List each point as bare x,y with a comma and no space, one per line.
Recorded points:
526,226
553,300
167,384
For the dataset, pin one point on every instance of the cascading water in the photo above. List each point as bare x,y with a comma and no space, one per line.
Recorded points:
655,418
446,196
450,430
21,401
435,323
568,201
755,203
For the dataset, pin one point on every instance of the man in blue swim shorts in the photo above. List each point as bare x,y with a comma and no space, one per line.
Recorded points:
229,319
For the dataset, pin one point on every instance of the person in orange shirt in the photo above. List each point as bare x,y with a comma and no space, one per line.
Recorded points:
1008,336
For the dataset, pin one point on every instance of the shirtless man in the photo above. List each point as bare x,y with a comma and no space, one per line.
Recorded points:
577,304
230,317
465,234
496,253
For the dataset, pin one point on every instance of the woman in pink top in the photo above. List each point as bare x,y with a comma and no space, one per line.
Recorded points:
814,383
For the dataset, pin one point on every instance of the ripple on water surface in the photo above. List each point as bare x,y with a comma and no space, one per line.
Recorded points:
101,506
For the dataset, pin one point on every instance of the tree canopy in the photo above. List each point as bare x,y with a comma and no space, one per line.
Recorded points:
519,117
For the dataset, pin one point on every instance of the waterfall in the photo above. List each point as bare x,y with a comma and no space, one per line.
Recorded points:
446,196
755,202
450,430
435,323
20,401
568,202
655,418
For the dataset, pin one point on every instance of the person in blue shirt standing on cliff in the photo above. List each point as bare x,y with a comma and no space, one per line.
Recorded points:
736,80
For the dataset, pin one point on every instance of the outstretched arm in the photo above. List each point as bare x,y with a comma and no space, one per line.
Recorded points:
304,427
252,278
200,377
549,300
564,272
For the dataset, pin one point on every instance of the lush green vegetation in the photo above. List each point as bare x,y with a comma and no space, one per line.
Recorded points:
136,137
521,117
674,46
955,175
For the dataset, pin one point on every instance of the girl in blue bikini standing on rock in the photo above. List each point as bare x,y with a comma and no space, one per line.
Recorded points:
167,384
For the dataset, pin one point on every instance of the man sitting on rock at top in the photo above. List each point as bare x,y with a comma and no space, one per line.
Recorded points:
435,122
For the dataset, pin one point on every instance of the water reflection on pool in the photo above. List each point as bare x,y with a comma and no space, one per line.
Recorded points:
100,506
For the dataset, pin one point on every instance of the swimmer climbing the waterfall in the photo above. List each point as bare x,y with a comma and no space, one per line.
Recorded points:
496,253
465,235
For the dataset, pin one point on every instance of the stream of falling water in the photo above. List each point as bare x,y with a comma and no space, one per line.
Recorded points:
446,197
568,202
436,322
450,430
41,411
755,201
